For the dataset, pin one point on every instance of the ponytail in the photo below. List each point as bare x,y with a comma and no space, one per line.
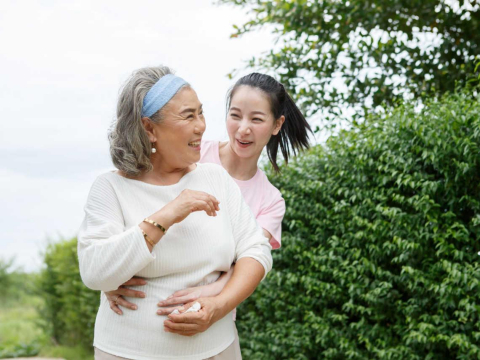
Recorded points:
293,135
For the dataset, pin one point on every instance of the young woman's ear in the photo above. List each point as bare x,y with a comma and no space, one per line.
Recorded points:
278,125
148,126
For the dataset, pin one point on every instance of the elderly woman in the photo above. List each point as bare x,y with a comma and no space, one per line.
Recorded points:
164,217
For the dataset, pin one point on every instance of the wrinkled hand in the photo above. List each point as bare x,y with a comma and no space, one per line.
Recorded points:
178,298
116,297
189,324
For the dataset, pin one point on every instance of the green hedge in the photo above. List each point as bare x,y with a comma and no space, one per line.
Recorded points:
70,307
380,242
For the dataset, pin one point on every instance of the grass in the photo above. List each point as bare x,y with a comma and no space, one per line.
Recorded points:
21,330
19,324
21,333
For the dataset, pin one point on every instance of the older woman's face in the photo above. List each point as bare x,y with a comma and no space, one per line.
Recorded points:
180,133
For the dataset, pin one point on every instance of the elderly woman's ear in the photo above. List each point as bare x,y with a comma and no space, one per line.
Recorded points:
148,126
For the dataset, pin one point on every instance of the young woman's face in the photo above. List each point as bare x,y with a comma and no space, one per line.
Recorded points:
250,122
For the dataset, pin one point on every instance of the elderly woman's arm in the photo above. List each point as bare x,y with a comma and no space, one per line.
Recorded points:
108,253
246,276
180,297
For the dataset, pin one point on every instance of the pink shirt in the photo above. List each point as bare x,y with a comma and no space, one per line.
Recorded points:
262,197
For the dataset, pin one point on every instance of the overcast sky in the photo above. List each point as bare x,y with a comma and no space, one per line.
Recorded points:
61,66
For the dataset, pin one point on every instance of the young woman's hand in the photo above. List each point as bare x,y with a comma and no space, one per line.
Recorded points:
116,297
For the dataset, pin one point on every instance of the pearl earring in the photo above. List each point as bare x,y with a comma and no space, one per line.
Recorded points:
153,150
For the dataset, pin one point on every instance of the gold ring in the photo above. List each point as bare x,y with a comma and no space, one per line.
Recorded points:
115,301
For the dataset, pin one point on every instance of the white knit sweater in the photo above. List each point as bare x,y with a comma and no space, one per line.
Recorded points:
111,249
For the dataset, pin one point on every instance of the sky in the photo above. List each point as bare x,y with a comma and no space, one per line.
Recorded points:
61,67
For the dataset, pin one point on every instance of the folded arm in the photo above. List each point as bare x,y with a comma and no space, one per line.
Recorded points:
178,298
246,276
108,254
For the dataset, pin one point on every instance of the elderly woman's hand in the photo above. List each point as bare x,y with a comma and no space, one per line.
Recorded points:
189,324
178,298
177,210
176,301
190,201
115,297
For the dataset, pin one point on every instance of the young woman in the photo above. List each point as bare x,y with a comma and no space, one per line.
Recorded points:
260,113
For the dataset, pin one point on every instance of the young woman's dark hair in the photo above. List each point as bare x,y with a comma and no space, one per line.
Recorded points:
293,135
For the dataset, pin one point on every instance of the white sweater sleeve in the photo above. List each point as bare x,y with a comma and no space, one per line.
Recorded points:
108,254
249,238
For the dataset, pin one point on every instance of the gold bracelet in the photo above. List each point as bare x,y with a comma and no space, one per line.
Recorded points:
147,220
150,241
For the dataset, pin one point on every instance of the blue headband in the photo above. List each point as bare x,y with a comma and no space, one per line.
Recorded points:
161,93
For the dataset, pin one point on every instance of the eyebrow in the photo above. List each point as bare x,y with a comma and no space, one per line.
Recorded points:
187,110
253,112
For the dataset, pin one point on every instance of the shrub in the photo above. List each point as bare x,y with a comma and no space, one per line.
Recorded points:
19,350
70,308
17,286
380,244
5,277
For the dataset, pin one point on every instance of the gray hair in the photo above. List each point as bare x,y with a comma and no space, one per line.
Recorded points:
130,147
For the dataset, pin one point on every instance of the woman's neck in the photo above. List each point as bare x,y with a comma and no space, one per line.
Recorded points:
165,175
238,168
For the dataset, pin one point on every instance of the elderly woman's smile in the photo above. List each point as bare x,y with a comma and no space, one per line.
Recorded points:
195,144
